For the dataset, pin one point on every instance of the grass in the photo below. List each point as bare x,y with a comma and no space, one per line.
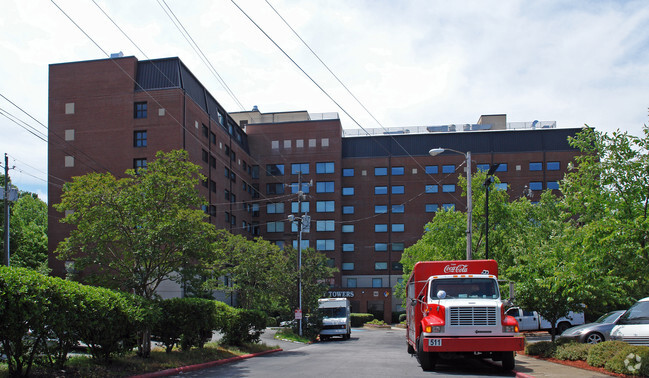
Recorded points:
288,334
128,365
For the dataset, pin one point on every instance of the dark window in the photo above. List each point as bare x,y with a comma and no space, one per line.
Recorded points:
380,190
295,187
227,172
254,171
212,138
536,185
432,188
431,208
348,191
213,186
213,161
397,265
139,111
483,167
502,167
274,169
297,168
553,185
448,188
324,187
206,131
139,138
275,188
398,208
398,189
348,209
139,164
206,156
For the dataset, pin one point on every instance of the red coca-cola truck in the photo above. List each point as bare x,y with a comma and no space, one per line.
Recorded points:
454,310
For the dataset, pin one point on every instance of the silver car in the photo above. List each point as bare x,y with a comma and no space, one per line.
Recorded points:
596,332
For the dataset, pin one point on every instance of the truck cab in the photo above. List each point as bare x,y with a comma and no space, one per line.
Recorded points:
336,318
454,310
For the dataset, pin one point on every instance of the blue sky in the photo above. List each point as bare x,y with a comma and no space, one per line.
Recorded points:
411,63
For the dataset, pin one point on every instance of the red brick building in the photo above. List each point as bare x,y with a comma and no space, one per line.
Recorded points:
368,196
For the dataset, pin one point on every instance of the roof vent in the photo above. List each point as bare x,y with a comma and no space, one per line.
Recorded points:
255,108
117,55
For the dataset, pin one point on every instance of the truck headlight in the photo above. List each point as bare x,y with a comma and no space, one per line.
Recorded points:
434,329
510,328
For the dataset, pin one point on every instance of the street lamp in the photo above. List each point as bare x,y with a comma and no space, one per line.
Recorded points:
469,200
305,219
487,183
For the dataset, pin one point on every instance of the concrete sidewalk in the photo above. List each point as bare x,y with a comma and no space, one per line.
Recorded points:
527,366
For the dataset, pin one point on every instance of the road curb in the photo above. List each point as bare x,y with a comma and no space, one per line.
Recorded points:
184,369
522,375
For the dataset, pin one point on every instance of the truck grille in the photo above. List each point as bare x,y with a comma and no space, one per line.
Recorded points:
477,316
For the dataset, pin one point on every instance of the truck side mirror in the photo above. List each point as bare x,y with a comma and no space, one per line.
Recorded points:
413,301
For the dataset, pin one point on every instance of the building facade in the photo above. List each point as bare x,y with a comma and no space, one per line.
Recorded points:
368,193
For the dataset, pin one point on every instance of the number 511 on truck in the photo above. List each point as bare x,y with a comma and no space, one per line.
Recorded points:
454,310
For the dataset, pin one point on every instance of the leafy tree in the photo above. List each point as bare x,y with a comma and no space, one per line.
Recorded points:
29,224
138,230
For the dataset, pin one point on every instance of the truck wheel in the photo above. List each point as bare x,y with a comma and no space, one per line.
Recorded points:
508,361
562,327
426,359
411,350
347,335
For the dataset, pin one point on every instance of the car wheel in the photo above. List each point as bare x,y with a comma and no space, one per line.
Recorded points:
508,361
562,327
594,338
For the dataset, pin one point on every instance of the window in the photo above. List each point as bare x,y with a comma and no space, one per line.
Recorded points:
502,167
431,207
398,227
348,191
553,185
348,172
398,189
348,228
277,188
139,110
377,282
448,206
325,245
139,164
380,190
304,207
536,166
326,167
287,143
501,186
206,131
397,171
349,266
324,187
536,185
212,138
348,247
348,209
380,228
432,188
254,171
432,169
205,156
380,247
553,166
398,247
295,186
325,206
325,225
380,209
351,282
275,208
448,168
274,169
213,186
397,265
398,209
380,265
380,171
300,168
255,209
303,246
139,138
483,167
275,226
450,188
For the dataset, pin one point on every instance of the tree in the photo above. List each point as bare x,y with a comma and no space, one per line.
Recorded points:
29,226
139,230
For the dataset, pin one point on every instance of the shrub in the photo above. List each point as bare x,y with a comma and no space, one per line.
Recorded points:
358,320
632,359
542,348
198,321
572,351
396,316
402,318
244,326
600,353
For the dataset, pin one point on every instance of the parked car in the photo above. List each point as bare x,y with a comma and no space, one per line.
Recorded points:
595,332
633,326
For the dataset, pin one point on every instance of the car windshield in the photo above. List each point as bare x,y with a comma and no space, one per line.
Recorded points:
336,312
465,288
637,314
609,317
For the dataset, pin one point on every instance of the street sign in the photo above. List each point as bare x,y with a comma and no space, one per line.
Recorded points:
298,314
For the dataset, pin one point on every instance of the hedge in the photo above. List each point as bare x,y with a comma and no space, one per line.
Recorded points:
600,353
359,319
243,326
632,359
572,351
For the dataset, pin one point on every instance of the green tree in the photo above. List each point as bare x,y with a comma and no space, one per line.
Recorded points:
29,226
138,230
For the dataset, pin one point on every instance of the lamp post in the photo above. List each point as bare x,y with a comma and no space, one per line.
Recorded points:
487,184
469,200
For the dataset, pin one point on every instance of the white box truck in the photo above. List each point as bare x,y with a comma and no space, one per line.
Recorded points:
336,318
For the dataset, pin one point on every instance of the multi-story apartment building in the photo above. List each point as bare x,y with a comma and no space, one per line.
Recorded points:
368,192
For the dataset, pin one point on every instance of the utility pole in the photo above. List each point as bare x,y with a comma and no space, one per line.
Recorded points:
301,221
6,195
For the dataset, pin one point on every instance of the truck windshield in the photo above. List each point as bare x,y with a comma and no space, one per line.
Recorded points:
336,312
465,288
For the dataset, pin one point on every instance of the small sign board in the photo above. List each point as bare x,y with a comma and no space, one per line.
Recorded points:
298,314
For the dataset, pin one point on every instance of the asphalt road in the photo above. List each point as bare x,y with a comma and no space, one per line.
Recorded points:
369,353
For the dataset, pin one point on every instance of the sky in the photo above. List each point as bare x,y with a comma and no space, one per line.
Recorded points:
405,63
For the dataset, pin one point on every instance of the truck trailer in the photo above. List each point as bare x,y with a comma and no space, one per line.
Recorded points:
454,310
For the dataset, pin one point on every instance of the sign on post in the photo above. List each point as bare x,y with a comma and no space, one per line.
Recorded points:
298,314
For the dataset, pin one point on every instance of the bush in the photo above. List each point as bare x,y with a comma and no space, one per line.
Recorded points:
572,351
542,348
402,318
244,326
632,359
358,320
198,322
396,316
600,353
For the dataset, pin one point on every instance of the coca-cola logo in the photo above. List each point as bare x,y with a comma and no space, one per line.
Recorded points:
460,268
